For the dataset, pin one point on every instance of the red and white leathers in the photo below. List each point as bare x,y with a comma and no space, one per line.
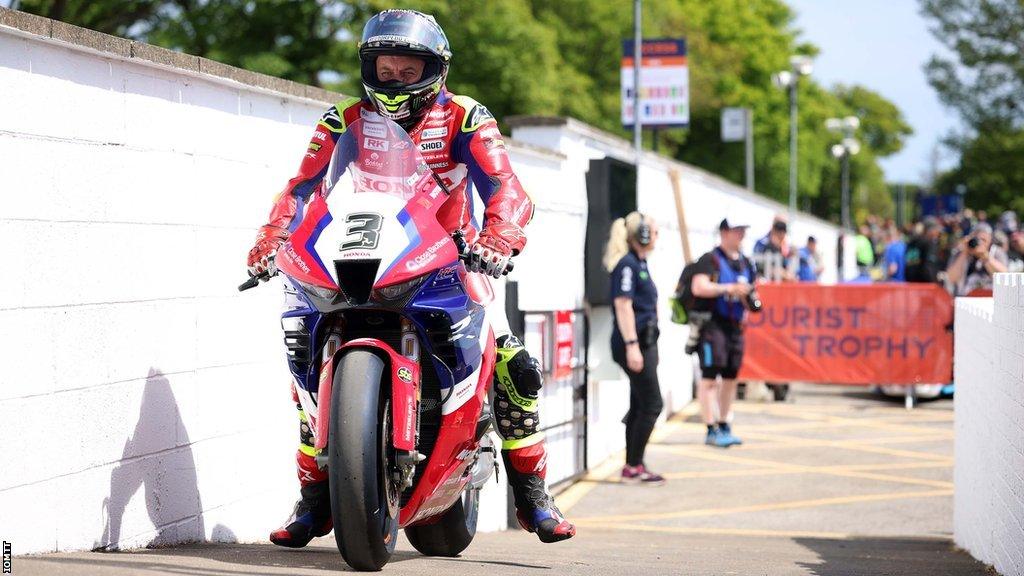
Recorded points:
460,141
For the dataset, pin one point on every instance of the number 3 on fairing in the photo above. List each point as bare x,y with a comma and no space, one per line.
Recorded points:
365,227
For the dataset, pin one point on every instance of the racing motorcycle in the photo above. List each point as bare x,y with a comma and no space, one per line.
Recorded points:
390,348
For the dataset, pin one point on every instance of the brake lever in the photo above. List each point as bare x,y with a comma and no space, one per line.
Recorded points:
253,281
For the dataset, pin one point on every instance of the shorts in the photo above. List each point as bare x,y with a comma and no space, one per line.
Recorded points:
720,350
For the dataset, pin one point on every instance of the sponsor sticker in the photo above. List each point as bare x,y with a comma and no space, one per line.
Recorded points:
432,145
376,130
405,375
430,133
375,144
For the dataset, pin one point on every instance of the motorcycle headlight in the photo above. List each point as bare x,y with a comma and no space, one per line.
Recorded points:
398,291
319,291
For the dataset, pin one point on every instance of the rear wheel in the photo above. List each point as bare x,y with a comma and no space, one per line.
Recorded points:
364,501
453,532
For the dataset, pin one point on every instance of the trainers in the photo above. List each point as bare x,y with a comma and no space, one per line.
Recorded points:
641,475
310,519
717,438
726,429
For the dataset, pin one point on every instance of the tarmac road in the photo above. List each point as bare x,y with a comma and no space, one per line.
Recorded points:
835,482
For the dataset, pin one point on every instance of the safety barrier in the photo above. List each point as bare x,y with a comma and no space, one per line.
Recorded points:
988,501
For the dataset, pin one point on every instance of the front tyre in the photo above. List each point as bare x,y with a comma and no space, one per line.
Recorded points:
453,532
364,505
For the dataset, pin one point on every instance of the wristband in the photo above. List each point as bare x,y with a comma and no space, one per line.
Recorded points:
631,342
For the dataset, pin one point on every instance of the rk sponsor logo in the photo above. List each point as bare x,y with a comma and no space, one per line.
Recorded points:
375,144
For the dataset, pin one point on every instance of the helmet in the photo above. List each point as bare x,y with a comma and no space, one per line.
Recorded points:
404,33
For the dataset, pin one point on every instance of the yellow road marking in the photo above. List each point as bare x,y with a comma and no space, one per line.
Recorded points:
813,503
607,469
707,454
726,531
775,471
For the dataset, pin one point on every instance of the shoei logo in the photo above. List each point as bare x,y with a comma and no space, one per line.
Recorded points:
405,375
432,145
375,144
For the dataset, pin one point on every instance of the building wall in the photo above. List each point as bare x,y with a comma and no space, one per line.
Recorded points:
988,503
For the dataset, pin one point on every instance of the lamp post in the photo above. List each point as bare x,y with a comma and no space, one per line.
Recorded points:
788,79
849,146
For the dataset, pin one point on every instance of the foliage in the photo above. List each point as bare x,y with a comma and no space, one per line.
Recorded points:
556,58
985,85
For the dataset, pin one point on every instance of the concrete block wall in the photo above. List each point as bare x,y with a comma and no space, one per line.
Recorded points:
988,514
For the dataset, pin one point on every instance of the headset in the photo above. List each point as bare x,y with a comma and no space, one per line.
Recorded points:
643,231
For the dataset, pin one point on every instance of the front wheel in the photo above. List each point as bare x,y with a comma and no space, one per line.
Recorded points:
453,532
364,502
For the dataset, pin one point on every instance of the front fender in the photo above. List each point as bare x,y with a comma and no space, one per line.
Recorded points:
405,383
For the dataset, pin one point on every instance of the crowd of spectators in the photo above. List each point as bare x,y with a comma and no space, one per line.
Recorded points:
959,251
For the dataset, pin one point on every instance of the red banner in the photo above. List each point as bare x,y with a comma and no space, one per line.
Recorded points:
563,344
850,334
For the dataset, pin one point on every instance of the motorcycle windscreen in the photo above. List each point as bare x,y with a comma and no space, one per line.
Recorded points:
375,157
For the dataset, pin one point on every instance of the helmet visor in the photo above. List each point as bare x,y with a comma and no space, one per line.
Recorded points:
405,29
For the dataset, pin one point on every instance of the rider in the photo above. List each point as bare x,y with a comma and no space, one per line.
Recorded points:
405,57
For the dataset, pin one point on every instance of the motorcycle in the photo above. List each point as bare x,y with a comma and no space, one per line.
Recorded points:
390,348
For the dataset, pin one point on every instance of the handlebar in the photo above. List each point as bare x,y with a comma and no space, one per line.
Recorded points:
253,281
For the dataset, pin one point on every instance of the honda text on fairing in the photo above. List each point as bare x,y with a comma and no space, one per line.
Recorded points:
390,349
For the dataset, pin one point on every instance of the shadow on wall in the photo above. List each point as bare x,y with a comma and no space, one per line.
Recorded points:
158,458
895,555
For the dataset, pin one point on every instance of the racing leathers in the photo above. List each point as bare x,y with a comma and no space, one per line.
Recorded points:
460,141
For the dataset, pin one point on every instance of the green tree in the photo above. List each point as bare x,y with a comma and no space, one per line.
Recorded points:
552,58
984,83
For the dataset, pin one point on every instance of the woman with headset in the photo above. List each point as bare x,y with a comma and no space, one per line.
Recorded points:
635,335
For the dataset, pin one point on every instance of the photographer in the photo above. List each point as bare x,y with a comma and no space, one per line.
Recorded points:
975,260
724,276
635,335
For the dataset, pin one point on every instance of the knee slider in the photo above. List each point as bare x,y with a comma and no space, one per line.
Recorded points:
517,372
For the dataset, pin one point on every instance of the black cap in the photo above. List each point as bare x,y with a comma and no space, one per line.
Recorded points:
724,225
779,226
812,239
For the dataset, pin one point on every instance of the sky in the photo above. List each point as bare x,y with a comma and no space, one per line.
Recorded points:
882,45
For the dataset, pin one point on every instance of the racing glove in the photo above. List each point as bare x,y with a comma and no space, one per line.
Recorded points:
261,257
492,253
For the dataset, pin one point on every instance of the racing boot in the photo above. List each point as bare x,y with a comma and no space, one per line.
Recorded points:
516,388
535,508
310,519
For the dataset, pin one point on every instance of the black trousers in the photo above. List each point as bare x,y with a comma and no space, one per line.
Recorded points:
645,403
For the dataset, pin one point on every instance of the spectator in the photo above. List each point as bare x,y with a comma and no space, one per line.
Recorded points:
975,260
771,252
864,249
893,259
1015,254
635,335
725,276
808,262
923,262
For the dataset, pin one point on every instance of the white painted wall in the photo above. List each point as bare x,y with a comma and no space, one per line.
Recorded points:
988,502
143,399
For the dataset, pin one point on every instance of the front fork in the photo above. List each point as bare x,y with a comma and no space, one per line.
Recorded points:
405,392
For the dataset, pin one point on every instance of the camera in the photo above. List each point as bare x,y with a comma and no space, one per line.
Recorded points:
972,243
697,320
752,300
